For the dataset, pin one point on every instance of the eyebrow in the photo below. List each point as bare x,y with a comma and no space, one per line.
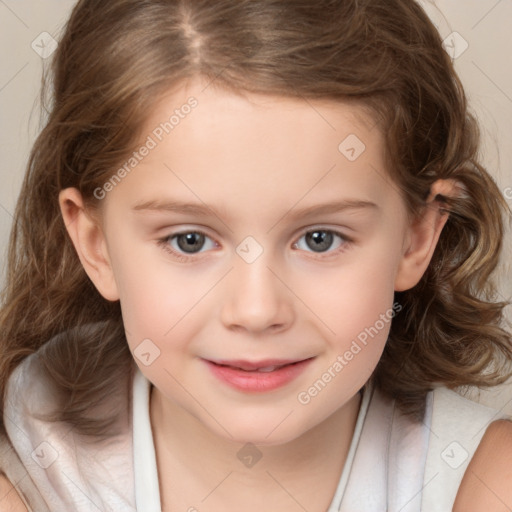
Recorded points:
201,209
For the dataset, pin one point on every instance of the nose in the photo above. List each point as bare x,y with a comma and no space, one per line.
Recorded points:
256,297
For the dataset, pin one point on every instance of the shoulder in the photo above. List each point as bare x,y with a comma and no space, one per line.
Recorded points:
10,500
486,485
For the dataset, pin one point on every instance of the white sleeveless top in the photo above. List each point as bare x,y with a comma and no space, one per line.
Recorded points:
393,465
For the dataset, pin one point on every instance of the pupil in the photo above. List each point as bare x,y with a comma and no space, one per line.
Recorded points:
192,241
322,239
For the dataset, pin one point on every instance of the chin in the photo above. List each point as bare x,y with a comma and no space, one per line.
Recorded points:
262,433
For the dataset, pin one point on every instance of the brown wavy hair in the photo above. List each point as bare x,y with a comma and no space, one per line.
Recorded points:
116,58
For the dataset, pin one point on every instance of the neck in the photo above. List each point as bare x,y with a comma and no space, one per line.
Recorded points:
305,470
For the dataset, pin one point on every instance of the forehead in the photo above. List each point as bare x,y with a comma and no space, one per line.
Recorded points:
255,114
249,148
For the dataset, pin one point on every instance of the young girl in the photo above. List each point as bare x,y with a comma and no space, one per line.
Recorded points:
304,355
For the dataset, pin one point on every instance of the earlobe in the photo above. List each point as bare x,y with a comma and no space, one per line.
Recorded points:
89,242
423,235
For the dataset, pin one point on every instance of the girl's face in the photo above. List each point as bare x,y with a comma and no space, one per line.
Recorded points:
256,233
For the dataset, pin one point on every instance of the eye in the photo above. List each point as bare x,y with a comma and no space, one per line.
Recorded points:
185,243
320,240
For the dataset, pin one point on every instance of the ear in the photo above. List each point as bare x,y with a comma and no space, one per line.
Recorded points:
87,236
423,235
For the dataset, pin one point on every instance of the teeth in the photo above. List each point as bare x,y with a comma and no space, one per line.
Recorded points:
264,370
267,369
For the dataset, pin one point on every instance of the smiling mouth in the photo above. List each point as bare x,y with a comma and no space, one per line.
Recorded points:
257,376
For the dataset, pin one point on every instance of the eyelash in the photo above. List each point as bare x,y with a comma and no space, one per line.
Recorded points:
345,243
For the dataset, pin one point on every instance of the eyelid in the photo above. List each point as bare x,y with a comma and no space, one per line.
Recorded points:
322,227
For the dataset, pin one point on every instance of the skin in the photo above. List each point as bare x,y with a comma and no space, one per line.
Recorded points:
10,501
486,483
255,160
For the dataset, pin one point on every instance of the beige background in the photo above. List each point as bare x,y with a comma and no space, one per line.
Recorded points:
481,49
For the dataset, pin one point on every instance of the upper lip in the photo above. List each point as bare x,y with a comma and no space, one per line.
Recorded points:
254,365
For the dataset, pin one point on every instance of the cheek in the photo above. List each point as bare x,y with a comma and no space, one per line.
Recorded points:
358,307
152,296
354,295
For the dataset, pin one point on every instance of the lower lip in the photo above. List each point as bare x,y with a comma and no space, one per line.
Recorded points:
258,381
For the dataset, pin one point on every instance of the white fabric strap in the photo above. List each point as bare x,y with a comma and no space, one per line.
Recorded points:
147,493
342,485
366,488
387,472
408,448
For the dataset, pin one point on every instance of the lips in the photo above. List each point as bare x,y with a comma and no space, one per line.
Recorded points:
257,376
266,365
